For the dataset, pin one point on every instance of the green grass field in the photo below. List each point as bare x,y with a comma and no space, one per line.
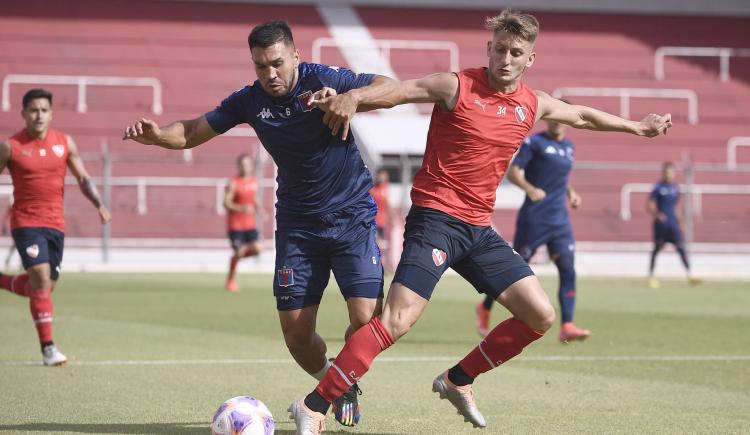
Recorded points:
156,354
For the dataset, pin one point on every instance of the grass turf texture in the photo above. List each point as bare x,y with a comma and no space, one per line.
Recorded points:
148,317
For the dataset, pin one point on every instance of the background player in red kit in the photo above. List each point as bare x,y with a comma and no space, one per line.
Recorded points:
242,208
37,157
379,193
480,118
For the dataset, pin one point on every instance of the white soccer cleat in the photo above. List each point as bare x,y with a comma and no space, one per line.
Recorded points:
307,421
53,357
461,397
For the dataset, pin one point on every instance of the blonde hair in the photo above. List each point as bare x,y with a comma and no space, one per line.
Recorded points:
524,26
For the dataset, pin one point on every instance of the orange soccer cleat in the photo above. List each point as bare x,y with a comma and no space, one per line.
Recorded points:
483,320
569,331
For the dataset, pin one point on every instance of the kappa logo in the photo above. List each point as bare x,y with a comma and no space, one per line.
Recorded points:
58,149
480,103
438,257
265,113
33,251
550,150
520,114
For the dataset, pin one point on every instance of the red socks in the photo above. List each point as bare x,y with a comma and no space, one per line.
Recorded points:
355,359
17,284
41,312
502,343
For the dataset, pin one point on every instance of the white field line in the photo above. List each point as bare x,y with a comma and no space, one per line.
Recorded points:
407,359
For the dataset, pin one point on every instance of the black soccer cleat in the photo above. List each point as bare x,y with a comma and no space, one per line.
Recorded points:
346,407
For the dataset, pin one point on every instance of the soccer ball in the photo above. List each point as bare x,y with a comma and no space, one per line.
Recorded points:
242,415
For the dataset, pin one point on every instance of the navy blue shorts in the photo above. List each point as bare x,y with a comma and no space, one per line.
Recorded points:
38,245
241,238
435,241
665,232
531,235
309,248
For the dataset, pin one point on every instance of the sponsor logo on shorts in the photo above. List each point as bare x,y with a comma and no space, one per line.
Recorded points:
33,251
58,149
438,257
285,276
520,114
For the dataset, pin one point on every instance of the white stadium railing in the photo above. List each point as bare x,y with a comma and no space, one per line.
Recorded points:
696,190
389,44
626,93
82,82
723,53
732,145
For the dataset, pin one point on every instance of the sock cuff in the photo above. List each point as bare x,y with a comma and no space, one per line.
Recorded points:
529,332
381,333
322,372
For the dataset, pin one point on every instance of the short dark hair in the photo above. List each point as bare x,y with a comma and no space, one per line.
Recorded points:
33,94
266,34
668,164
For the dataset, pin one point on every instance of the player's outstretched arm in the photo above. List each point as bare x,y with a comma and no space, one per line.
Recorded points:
516,176
75,164
592,119
384,93
175,136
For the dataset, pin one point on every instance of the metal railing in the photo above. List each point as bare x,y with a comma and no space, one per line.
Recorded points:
732,145
723,53
386,45
626,93
82,82
695,190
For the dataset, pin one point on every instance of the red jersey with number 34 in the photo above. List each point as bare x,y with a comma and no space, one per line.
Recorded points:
244,194
37,168
469,148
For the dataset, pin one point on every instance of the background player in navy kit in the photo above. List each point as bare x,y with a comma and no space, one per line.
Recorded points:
325,214
541,169
662,205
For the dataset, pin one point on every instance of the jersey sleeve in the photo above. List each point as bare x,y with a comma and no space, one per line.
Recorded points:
230,112
654,193
341,79
525,154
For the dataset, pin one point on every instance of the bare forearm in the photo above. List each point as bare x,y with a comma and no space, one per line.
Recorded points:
593,119
88,188
515,176
382,93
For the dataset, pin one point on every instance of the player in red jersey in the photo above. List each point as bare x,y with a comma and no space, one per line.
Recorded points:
37,158
383,219
480,117
242,208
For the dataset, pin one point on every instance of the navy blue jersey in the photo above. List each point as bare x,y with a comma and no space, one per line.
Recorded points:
546,164
666,196
318,173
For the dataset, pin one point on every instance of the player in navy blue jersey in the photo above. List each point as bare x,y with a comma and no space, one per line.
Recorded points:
662,205
325,214
541,169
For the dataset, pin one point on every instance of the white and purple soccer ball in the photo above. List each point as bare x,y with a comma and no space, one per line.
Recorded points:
242,415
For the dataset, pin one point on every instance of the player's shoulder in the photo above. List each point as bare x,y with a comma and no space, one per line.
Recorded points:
320,69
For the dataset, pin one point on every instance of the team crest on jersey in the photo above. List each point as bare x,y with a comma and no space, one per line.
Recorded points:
438,257
32,251
304,99
520,114
285,275
58,149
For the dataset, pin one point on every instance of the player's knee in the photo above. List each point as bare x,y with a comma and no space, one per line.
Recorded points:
566,269
543,319
396,324
298,341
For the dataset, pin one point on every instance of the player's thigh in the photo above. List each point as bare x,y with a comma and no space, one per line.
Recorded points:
302,269
432,243
529,303
33,249
528,238
492,265
55,248
401,310
561,244
356,264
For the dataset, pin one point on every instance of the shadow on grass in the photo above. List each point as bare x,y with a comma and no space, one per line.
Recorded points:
142,428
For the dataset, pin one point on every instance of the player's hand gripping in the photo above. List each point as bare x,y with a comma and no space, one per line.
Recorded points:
144,131
574,198
536,194
654,125
339,109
